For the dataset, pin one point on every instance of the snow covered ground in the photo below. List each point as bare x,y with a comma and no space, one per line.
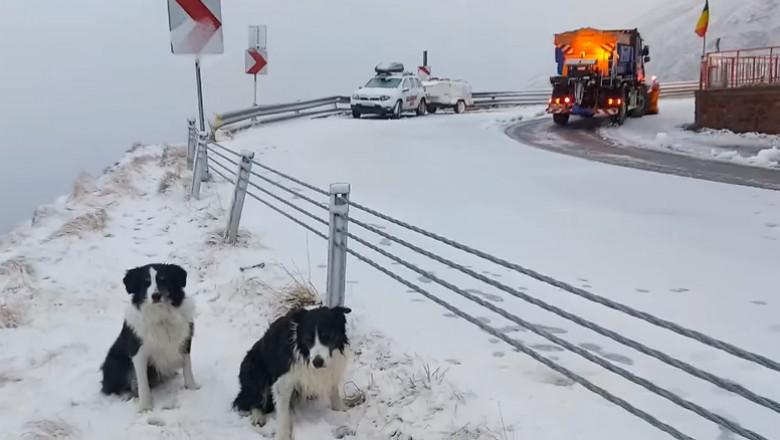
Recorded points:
701,254
670,131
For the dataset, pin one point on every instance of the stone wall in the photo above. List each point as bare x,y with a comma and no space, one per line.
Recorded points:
742,110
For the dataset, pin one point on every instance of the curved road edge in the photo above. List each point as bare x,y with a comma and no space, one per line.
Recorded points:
581,139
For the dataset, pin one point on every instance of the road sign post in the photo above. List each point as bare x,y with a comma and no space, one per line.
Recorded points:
196,29
257,54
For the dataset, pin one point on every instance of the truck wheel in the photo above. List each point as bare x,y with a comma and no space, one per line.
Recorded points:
396,114
460,107
421,108
561,118
643,103
620,118
356,114
432,108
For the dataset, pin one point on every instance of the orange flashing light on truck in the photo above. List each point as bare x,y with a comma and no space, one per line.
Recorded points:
601,73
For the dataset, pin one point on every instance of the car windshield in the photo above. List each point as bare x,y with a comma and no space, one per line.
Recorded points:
383,83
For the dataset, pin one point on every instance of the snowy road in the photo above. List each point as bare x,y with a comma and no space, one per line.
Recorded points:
583,138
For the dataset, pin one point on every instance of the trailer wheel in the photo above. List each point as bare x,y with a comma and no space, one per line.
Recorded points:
460,107
561,118
643,103
421,108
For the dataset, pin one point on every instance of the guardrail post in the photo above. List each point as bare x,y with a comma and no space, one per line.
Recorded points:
206,138
239,194
191,142
337,244
200,165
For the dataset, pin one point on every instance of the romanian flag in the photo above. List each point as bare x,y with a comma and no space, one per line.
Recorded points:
704,21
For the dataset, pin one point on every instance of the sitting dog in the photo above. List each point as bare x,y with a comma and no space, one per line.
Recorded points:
301,355
156,336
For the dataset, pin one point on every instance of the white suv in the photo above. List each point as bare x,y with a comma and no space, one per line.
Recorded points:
391,92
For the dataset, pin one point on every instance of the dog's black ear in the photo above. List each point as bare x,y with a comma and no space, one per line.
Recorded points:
134,279
343,310
178,274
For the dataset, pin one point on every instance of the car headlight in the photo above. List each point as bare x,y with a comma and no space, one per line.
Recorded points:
384,97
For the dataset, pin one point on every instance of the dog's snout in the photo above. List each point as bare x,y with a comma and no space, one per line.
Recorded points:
318,362
156,297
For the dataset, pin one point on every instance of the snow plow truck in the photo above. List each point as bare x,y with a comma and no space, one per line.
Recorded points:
601,73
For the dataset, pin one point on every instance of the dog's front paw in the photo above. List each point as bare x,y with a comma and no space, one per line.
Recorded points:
284,434
144,405
338,405
257,418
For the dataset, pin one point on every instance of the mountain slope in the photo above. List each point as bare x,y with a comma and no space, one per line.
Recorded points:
676,49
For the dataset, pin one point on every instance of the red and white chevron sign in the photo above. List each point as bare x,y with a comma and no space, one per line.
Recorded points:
196,26
257,61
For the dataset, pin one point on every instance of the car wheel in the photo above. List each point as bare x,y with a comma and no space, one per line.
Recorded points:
432,108
356,114
396,114
421,108
460,107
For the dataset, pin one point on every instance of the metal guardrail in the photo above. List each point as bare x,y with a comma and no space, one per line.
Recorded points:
250,117
540,96
279,112
331,222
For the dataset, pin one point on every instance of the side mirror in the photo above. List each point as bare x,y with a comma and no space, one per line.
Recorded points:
646,51
647,59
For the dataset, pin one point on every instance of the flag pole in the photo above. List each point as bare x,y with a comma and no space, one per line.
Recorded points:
704,46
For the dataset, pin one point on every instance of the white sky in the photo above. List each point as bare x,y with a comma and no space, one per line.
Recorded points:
81,80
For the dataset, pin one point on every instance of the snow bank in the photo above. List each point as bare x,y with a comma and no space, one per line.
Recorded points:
670,131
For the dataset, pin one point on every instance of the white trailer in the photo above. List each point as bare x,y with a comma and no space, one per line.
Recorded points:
448,93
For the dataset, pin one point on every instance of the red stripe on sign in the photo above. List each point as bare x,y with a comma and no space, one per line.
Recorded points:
200,13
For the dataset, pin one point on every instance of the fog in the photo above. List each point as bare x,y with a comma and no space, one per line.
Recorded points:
80,81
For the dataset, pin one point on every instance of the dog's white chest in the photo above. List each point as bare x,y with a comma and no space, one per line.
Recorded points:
163,330
317,382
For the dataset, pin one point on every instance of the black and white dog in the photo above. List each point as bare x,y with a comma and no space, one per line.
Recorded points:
300,355
156,336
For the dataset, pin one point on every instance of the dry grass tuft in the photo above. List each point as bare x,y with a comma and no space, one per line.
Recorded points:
245,239
15,274
134,147
138,163
120,183
9,318
173,156
83,186
44,429
168,181
89,222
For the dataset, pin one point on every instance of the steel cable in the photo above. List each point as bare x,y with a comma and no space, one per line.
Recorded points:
647,317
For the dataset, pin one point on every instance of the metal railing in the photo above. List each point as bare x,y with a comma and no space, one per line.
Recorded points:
327,214
253,116
279,112
741,68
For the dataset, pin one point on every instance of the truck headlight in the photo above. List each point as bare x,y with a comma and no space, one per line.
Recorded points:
384,97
